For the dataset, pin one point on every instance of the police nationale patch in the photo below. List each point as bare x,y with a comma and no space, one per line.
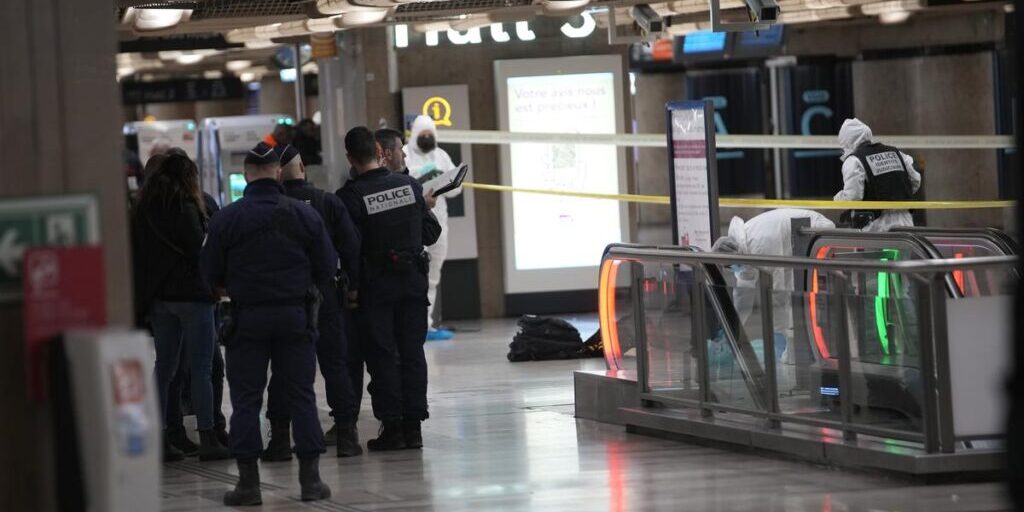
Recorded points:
884,163
389,200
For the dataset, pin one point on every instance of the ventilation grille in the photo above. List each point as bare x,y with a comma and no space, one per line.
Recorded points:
214,9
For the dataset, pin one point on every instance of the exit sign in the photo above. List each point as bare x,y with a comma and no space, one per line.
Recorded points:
43,221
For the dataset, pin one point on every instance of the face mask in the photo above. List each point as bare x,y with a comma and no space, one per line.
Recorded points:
352,173
426,143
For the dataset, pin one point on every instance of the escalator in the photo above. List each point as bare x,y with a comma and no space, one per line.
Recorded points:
957,243
882,317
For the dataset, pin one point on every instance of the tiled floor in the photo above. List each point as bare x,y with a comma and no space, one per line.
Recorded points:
502,437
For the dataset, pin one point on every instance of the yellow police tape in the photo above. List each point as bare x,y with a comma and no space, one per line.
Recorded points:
761,203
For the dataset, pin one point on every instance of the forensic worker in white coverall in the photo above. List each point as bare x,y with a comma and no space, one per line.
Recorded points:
767,234
875,172
422,156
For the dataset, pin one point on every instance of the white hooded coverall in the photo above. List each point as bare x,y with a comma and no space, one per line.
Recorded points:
770,234
852,135
420,163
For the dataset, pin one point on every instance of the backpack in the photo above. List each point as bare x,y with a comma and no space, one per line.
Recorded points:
544,339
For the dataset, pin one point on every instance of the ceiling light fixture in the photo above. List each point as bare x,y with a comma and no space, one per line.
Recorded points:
144,20
560,7
361,18
238,65
894,17
187,59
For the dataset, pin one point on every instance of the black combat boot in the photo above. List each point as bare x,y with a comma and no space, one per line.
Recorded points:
309,478
179,439
390,437
331,436
171,454
210,447
347,438
222,435
279,448
247,490
413,433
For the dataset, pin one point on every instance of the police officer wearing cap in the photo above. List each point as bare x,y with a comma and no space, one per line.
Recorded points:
391,319
332,347
272,255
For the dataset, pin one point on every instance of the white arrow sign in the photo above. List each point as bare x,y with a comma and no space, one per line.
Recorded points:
11,252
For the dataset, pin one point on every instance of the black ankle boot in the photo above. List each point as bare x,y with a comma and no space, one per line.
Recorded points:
247,491
390,437
279,448
309,478
331,436
210,447
171,454
179,439
222,435
347,437
413,432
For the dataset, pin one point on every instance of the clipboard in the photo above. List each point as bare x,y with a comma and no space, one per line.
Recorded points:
456,182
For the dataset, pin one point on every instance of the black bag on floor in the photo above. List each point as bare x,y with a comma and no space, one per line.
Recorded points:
545,339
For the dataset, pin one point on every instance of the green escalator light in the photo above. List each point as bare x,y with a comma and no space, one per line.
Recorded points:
881,312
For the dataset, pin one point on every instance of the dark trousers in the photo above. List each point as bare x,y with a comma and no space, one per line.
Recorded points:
355,361
332,355
393,334
179,387
277,336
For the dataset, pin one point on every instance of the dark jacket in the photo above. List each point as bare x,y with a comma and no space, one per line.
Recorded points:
336,219
263,257
165,249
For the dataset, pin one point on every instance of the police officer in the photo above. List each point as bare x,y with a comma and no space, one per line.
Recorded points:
271,253
389,210
875,172
332,346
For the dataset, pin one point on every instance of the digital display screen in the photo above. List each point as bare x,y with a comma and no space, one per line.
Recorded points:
563,232
771,37
704,42
236,186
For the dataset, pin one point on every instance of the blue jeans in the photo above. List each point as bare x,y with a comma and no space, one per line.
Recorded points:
185,327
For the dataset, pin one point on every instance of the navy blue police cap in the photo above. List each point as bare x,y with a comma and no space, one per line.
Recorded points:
262,154
287,154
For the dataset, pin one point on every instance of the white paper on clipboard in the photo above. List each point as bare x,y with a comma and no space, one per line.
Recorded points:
442,180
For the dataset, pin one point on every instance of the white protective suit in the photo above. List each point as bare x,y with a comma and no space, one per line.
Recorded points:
769,234
420,163
852,135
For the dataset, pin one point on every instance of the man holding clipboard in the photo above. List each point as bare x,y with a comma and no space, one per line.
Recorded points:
428,163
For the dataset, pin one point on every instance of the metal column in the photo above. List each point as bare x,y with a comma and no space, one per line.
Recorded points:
300,85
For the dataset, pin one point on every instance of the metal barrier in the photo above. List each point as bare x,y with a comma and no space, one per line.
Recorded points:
696,314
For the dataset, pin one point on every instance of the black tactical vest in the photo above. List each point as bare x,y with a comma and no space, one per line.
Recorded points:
393,220
887,177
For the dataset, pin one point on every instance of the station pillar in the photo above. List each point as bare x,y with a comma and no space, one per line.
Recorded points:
60,123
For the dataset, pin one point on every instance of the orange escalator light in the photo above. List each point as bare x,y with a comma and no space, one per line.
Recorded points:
819,335
609,322
958,275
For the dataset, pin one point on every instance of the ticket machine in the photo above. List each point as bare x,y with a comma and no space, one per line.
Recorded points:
224,142
177,133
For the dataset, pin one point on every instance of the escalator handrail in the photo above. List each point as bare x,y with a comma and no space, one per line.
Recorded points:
655,254
925,247
996,236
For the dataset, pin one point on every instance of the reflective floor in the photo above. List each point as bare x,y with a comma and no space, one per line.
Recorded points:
502,437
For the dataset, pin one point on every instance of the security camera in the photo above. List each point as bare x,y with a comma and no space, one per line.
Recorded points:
650,22
763,11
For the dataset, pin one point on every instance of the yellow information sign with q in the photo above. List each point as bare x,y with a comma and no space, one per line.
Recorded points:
438,109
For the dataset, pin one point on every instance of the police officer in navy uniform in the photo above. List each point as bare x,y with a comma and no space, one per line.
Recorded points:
272,255
390,212
332,347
